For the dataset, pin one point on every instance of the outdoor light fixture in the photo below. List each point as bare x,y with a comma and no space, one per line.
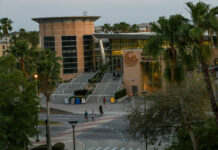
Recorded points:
35,76
73,124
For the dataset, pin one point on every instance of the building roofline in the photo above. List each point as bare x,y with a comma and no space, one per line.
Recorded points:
65,18
141,35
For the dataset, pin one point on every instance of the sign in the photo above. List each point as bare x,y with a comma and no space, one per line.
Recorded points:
112,100
117,53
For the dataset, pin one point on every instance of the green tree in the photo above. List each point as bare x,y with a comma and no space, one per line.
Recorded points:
18,106
6,25
204,20
48,70
172,41
161,114
106,28
134,28
24,47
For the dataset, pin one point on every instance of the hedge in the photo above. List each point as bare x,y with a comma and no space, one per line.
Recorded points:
120,93
81,92
57,146
97,78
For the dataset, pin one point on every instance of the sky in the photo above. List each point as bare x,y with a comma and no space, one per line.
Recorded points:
111,11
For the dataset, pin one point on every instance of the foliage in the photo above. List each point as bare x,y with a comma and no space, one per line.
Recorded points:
48,69
204,19
5,25
121,27
206,135
81,92
171,42
57,146
18,106
163,114
120,93
40,147
24,48
97,78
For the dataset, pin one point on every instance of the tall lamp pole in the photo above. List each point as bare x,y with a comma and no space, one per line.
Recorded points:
146,136
36,77
73,124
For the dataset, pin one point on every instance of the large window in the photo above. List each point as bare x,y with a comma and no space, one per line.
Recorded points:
49,42
88,52
69,54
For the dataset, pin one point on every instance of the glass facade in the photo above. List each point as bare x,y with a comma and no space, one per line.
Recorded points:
88,52
69,54
125,44
152,75
49,42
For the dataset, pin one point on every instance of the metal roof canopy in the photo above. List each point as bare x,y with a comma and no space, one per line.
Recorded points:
66,18
137,36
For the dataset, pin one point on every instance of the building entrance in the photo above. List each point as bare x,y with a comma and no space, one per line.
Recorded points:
117,64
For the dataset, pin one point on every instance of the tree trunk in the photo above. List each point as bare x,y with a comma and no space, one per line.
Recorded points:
48,123
210,90
188,124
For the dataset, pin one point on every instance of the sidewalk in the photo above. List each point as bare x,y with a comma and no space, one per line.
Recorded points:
116,109
66,137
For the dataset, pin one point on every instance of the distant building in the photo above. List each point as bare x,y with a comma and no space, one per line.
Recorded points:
4,41
71,38
82,50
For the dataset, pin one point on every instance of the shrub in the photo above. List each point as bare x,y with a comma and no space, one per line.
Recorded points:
40,147
207,137
120,93
97,78
58,146
81,92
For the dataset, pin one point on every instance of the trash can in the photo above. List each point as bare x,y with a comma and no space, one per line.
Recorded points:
66,101
77,100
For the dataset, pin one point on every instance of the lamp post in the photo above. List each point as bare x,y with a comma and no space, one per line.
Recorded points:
146,136
36,77
73,124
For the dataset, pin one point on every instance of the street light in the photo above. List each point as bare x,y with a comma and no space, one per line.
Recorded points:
73,124
36,77
146,137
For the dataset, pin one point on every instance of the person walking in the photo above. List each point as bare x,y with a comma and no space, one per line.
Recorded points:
101,110
104,100
86,116
93,115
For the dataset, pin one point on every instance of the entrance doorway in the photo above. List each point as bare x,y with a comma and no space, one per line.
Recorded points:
117,64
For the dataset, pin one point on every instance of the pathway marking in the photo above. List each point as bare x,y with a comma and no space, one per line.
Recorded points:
98,148
106,148
114,148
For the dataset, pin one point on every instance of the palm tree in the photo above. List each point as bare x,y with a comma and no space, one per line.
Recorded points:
134,28
171,41
106,28
124,27
6,25
48,69
204,20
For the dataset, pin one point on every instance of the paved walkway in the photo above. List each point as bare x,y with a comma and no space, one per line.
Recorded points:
66,136
109,109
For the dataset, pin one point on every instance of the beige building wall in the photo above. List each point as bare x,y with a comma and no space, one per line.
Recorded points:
2,48
75,26
132,71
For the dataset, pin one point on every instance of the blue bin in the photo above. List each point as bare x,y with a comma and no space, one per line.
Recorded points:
77,100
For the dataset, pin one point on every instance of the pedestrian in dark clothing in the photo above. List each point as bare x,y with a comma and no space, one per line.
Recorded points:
93,115
86,116
101,110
